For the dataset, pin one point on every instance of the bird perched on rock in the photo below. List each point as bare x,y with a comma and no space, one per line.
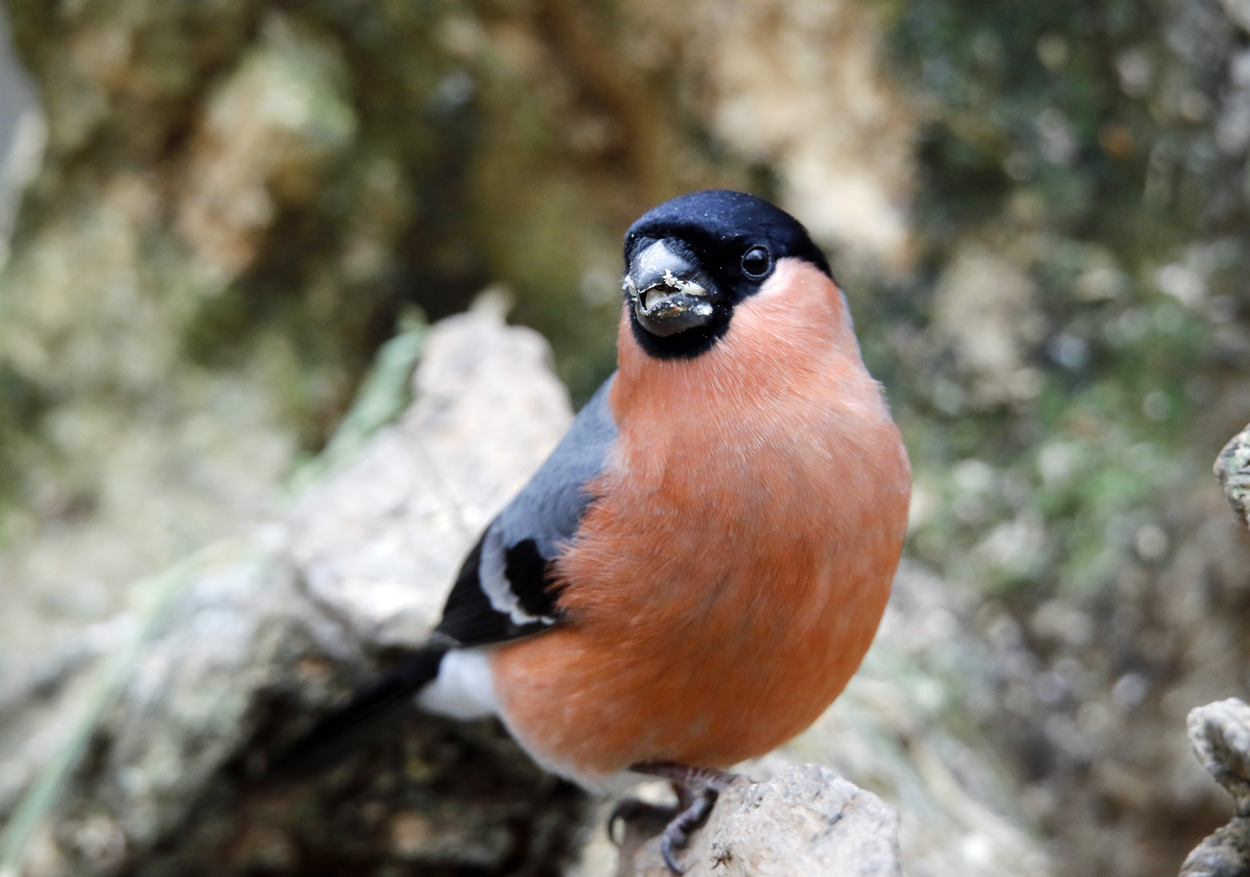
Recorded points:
694,574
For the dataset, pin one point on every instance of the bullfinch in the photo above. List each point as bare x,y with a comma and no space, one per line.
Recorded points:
695,572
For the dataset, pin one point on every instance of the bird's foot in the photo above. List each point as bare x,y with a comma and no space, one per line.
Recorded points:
697,789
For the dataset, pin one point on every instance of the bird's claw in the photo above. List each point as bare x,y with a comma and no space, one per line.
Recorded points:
697,790
678,831
666,850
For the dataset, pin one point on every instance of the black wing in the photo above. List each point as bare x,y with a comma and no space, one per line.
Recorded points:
505,589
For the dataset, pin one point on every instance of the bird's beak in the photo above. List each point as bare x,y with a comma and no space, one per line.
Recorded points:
665,291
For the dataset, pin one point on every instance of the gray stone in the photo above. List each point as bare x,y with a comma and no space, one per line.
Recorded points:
807,820
1220,735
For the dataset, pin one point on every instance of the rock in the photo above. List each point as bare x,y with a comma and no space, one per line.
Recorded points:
807,820
1220,735
240,649
1232,469
1238,12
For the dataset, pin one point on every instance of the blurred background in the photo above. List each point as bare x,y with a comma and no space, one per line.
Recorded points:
215,213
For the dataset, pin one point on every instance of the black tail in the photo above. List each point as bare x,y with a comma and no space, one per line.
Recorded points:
371,706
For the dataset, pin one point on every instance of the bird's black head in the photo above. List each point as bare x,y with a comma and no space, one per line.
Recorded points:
691,260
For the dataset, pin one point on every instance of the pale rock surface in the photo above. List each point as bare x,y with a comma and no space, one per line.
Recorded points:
807,820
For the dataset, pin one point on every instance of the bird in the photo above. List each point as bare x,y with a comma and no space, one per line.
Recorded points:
696,571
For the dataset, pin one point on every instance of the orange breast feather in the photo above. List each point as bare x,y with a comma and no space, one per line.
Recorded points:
734,566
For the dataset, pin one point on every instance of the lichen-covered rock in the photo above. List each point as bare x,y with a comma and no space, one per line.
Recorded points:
1220,735
1232,469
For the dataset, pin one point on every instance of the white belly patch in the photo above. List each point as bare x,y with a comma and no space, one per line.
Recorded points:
463,688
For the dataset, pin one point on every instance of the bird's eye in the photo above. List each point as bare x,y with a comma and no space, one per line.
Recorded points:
756,262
